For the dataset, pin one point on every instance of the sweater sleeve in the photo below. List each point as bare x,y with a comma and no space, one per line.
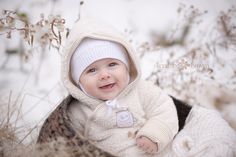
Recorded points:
161,115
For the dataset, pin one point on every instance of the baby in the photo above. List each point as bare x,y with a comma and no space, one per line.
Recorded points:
115,109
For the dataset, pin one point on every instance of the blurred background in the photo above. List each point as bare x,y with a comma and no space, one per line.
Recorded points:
187,47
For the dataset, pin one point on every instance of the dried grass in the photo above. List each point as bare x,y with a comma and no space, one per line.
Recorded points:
195,60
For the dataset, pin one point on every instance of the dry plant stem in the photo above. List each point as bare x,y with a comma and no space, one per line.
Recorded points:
8,112
31,130
18,113
15,129
79,10
38,102
31,30
8,109
28,111
52,28
17,100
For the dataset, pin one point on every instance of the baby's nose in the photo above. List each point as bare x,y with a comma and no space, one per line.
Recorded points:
104,75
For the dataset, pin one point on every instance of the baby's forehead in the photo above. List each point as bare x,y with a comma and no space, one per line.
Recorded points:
105,61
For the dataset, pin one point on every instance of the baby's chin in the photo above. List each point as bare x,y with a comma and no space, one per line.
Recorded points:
108,97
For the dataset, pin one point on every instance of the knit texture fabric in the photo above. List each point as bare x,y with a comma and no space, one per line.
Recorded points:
91,50
150,111
102,124
205,134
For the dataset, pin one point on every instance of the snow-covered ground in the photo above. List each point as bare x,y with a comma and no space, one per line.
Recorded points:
41,90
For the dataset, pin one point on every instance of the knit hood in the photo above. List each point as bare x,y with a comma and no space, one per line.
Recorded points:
91,28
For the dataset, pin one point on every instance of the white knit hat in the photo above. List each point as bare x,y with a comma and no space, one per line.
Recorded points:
91,50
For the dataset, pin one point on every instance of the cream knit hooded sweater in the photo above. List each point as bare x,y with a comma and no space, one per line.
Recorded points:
152,112
205,133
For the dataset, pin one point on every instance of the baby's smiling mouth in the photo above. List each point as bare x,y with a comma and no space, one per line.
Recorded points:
108,86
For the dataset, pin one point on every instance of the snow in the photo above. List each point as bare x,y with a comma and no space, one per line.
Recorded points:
41,90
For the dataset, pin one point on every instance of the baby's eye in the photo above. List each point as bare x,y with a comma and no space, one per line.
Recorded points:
91,70
113,64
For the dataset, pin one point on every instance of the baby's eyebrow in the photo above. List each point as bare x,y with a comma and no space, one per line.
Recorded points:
88,68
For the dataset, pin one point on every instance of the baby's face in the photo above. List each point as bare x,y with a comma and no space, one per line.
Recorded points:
105,78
